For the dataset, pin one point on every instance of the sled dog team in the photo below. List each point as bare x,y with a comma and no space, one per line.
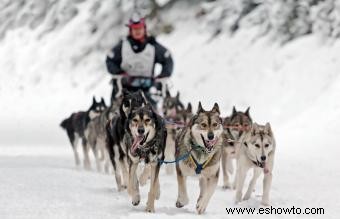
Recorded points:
131,132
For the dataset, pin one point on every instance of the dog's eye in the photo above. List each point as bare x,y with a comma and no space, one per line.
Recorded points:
203,125
257,145
147,120
135,120
266,145
214,124
231,143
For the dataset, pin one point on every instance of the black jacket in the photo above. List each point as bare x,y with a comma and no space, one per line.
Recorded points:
162,56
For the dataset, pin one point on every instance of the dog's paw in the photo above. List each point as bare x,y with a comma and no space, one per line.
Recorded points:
246,196
158,194
150,209
238,198
182,202
265,202
136,200
200,208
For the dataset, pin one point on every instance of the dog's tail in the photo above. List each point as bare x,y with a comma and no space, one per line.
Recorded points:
64,123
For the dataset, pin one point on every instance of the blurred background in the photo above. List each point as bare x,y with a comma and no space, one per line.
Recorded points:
281,57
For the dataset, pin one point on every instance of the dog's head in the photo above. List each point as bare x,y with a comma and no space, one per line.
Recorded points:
96,108
142,124
131,101
238,123
260,142
171,105
206,127
183,116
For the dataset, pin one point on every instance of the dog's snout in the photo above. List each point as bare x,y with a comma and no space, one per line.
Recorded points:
263,157
141,130
210,136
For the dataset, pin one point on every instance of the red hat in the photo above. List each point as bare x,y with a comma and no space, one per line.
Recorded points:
136,21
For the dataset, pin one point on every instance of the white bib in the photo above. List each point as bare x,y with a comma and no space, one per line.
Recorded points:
138,64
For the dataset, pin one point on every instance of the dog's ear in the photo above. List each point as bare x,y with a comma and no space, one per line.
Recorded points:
167,92
189,108
200,108
125,92
215,109
234,111
268,129
192,120
247,111
177,95
94,99
254,129
103,102
141,93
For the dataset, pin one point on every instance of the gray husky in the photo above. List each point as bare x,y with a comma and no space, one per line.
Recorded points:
234,127
257,151
76,126
198,152
96,135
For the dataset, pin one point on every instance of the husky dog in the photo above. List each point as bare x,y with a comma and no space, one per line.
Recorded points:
76,126
256,151
234,127
95,135
145,141
183,116
171,106
198,152
115,131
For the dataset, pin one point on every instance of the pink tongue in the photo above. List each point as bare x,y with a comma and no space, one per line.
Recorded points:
211,143
135,143
265,168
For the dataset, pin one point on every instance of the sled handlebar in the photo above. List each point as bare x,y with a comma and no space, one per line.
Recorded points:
119,78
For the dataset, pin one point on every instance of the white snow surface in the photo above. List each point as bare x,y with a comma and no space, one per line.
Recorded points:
296,87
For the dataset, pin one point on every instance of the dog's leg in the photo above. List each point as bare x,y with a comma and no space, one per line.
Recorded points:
124,168
145,175
182,198
257,172
208,191
117,167
154,183
169,152
87,164
95,151
158,189
74,139
107,163
267,182
203,186
240,178
133,187
226,183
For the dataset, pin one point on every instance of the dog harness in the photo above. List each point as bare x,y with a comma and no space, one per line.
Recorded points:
198,167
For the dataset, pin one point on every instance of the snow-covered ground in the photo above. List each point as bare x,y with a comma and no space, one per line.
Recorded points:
296,87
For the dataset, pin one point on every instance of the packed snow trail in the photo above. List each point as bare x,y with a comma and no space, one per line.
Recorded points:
49,186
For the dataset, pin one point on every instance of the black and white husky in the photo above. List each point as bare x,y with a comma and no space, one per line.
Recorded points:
145,141
115,131
76,126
